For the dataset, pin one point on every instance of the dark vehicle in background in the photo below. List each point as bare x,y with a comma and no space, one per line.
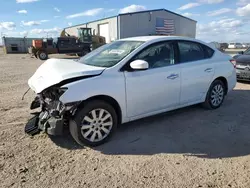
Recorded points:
242,63
67,44
223,46
60,45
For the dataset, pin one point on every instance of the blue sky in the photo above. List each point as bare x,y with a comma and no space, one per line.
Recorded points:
218,20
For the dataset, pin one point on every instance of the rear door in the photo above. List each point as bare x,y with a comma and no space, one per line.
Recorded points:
197,70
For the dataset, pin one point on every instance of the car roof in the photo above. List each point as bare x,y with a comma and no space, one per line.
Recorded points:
162,38
153,38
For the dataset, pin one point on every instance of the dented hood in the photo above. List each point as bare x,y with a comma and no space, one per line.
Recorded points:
54,71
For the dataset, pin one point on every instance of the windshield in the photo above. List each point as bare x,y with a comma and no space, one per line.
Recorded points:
110,54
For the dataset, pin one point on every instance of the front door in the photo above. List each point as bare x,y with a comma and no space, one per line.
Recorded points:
156,88
197,71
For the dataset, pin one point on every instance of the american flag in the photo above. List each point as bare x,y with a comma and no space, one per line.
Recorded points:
165,26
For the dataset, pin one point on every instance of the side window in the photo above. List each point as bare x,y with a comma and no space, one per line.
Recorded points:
158,55
190,51
209,52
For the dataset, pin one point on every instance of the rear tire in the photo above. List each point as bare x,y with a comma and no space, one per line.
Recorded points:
94,124
42,55
215,95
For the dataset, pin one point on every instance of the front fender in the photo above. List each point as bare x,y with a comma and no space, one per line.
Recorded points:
81,90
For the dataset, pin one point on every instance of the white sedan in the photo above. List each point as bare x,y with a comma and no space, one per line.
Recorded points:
127,80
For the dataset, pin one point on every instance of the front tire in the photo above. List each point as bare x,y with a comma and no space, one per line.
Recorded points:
94,124
215,95
42,55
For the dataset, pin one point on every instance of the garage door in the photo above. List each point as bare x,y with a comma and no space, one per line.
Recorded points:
104,31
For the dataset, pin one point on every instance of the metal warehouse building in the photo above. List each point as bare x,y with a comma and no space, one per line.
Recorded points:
152,22
16,44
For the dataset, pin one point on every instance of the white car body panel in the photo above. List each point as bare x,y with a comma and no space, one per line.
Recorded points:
109,83
155,90
195,79
140,93
53,71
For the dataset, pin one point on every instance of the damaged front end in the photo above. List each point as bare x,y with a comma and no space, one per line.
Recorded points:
53,114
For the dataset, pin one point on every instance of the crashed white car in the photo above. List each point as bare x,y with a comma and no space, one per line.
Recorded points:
127,80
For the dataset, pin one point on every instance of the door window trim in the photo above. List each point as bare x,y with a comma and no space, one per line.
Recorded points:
126,66
202,46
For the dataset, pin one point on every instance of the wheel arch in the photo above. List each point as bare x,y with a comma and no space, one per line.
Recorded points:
41,50
224,80
109,100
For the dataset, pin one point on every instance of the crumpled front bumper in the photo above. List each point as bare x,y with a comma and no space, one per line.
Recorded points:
31,126
43,121
52,126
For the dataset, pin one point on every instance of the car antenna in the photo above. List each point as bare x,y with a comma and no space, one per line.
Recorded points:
25,93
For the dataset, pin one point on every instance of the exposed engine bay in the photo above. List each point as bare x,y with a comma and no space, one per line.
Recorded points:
53,113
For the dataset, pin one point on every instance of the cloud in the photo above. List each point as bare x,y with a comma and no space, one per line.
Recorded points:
26,1
243,11
30,23
91,12
52,32
230,27
57,9
188,14
22,11
199,3
211,1
33,23
36,31
44,21
69,24
243,2
39,31
132,8
110,10
219,12
24,33
7,25
189,5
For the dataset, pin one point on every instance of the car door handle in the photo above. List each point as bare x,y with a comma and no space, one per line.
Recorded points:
208,70
173,76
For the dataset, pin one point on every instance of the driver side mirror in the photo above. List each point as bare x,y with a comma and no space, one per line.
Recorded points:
241,52
139,65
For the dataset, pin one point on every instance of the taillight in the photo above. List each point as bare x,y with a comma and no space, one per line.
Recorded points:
233,62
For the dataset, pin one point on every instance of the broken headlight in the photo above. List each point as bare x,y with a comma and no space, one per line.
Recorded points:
54,93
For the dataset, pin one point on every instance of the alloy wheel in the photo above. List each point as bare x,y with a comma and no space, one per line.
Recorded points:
96,125
217,95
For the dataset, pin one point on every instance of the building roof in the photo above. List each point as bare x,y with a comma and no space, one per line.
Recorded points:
155,10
